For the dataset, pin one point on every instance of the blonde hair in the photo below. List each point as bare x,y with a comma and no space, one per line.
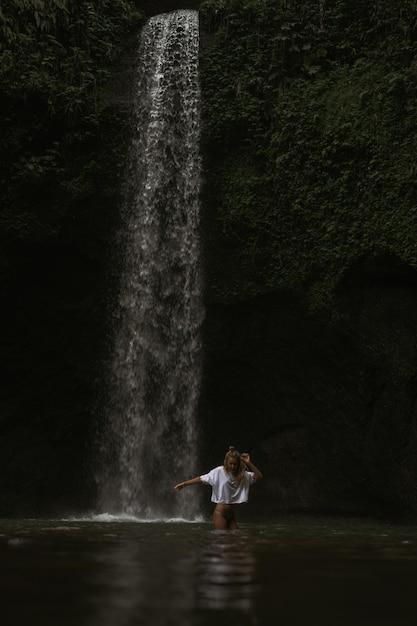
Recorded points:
241,465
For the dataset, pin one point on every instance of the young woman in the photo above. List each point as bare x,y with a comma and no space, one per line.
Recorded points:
230,484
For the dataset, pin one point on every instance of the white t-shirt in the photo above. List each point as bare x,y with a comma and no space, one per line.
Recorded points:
225,488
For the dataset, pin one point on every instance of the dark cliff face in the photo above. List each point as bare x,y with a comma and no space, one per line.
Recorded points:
282,384
52,333
326,408
324,398
60,174
310,236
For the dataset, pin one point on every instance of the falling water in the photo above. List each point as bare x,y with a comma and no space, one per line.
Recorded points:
151,438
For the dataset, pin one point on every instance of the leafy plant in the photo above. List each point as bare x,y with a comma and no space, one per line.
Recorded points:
57,58
310,127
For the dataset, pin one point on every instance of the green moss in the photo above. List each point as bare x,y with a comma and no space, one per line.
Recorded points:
310,131
60,134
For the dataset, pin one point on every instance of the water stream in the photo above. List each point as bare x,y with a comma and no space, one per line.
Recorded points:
151,436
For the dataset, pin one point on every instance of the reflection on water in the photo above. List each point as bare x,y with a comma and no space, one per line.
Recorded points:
124,596
146,579
226,573
128,573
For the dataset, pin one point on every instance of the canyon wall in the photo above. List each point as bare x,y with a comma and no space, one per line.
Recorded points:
309,252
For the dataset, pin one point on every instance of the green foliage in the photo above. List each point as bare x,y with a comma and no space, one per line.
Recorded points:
57,58
310,130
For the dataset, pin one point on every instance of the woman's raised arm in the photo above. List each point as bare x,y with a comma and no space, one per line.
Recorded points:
246,459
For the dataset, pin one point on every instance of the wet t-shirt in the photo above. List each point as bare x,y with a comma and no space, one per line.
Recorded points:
226,489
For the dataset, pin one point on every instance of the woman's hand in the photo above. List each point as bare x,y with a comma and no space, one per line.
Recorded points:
246,459
192,481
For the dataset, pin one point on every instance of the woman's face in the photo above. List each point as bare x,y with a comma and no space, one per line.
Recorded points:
232,465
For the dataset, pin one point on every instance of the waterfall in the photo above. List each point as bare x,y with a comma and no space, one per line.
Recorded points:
151,435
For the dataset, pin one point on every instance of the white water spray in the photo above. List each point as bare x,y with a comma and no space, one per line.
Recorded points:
151,439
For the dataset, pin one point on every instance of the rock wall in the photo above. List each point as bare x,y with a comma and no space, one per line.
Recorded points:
327,407
323,398
51,334
59,186
310,234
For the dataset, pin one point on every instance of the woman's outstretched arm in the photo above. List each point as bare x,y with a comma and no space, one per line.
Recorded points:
257,473
192,481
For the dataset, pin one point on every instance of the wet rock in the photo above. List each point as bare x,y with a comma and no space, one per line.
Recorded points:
326,403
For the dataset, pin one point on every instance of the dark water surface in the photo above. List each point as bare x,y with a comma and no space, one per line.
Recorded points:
105,572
